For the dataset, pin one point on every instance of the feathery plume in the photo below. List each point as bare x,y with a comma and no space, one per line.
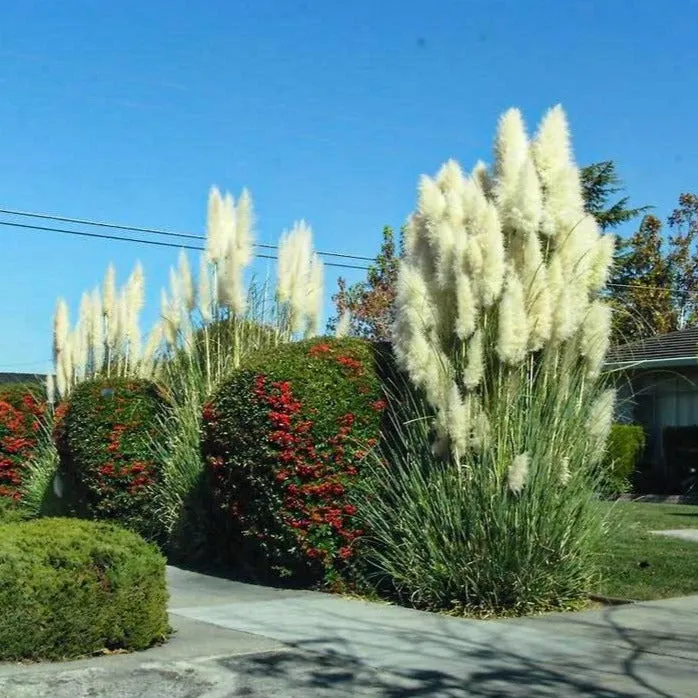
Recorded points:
215,234
604,252
565,471
152,345
50,389
475,366
314,295
109,303
243,230
513,326
204,297
343,325
518,473
97,332
186,283
600,421
466,304
595,336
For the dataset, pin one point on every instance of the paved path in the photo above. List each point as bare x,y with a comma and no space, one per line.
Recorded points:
242,640
683,533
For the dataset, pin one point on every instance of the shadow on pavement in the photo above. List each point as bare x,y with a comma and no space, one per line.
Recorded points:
629,662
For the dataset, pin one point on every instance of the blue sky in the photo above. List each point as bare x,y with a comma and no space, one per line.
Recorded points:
129,111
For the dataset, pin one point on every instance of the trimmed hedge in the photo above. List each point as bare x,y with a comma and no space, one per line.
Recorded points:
105,435
625,445
70,588
283,443
21,414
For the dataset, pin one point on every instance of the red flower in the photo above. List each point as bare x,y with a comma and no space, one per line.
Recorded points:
379,405
345,552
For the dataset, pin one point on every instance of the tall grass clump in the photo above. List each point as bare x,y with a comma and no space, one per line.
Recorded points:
209,326
488,501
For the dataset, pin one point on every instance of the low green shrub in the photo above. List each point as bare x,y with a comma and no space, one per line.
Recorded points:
284,438
22,411
624,448
105,435
70,588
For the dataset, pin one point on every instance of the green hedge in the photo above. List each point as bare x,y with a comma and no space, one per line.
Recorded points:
70,588
283,441
105,436
624,448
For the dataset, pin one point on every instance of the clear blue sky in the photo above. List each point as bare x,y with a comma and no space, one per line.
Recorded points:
129,111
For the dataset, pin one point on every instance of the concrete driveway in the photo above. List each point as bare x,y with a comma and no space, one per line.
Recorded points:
236,639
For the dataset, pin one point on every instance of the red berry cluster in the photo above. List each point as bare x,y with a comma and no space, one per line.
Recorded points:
20,422
312,478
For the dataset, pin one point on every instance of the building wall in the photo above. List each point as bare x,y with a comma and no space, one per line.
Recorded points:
659,398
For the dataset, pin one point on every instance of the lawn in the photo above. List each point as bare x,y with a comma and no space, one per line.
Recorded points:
640,565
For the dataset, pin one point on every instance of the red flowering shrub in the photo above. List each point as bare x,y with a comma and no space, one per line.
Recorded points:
104,435
21,414
283,440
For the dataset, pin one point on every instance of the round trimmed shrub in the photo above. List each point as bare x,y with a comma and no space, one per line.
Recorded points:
21,414
70,588
105,435
624,448
284,438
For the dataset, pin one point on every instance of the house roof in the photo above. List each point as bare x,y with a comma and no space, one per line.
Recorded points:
672,349
21,377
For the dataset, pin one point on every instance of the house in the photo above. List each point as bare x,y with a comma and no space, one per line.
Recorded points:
22,378
657,380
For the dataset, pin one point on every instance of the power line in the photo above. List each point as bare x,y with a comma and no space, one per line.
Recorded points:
155,243
154,231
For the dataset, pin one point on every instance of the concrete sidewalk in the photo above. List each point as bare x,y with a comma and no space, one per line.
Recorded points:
236,639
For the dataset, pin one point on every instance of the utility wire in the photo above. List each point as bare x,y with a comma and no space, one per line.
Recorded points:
156,243
154,231
191,236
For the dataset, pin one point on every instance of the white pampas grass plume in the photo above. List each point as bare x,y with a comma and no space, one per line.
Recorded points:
458,421
244,221
187,331
215,234
466,307
493,258
565,471
604,252
170,318
481,177
511,152
97,332
524,209
186,282
600,421
314,295
538,297
432,202
518,473
150,353
80,347
475,366
295,260
343,325
552,152
109,304
513,329
61,329
204,296
595,336
50,389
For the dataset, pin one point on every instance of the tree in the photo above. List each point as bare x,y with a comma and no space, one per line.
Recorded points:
655,281
370,303
640,285
600,182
